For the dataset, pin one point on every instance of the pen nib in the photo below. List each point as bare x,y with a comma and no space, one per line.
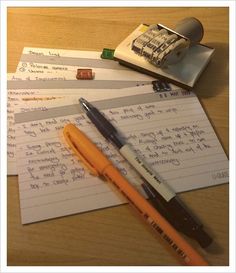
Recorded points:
84,104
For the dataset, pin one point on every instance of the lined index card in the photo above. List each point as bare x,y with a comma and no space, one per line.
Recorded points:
170,130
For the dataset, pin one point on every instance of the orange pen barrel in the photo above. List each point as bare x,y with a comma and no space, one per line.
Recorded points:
182,248
98,164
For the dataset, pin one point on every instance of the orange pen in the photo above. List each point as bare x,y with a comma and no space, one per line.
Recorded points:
99,165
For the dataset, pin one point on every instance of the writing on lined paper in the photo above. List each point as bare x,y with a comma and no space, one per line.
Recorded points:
16,97
174,137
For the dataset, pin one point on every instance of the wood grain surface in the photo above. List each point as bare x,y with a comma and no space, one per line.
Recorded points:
117,236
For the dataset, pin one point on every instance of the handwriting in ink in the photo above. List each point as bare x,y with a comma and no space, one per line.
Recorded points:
162,144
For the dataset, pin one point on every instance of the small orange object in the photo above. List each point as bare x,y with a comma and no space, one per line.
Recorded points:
84,74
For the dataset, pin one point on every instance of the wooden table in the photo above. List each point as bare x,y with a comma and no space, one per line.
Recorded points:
117,236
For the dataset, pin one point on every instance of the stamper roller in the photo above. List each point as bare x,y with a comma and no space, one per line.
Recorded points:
163,46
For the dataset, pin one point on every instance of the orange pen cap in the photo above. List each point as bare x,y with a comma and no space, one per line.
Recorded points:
85,149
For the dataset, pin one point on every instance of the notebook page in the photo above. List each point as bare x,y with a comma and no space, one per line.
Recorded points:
170,130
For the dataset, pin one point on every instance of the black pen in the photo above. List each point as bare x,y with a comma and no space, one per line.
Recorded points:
162,197
176,214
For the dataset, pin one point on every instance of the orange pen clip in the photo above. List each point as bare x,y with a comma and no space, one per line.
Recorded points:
71,136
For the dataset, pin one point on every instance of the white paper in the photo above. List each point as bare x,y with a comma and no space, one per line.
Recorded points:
41,80
171,131
51,73
42,62
17,96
